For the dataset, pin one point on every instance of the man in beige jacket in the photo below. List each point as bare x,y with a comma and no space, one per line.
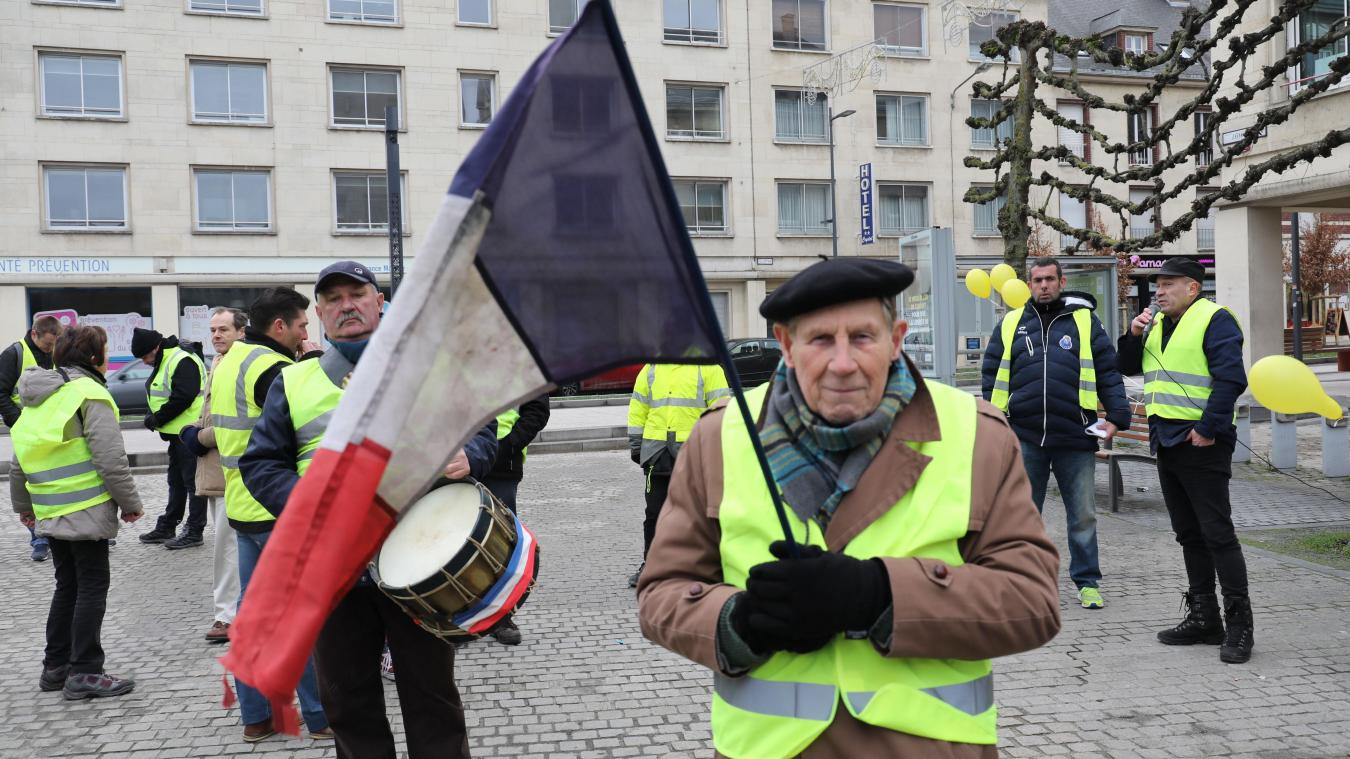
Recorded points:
856,647
227,325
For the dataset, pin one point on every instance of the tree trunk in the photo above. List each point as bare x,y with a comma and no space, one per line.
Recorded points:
1014,220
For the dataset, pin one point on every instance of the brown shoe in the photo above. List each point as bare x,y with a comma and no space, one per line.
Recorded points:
219,632
259,731
325,734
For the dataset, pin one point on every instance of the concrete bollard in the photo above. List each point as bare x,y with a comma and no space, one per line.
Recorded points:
1283,441
1242,452
1335,447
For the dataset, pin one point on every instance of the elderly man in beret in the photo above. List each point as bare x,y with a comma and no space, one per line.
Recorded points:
917,553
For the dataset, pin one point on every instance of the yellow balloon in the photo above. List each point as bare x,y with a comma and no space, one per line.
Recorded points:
1286,385
977,282
1015,293
1001,274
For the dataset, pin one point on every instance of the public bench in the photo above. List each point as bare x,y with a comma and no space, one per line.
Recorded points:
1138,432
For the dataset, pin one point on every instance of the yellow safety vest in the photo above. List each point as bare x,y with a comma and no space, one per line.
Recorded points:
26,361
312,396
667,401
506,421
1087,369
161,388
779,708
1177,382
60,473
234,412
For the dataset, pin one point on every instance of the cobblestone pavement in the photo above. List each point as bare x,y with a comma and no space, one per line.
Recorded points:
586,684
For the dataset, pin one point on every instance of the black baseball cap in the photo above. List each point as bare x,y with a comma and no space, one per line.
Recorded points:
1181,266
349,269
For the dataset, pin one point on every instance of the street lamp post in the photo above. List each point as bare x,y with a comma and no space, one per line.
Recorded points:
834,204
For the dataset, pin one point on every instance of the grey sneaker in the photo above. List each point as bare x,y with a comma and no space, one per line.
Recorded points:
102,685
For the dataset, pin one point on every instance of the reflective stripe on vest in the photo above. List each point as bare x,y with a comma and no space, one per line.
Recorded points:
161,387
1177,382
312,396
234,414
783,705
676,396
60,474
26,361
1087,369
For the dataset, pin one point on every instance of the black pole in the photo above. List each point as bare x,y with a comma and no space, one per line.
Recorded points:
834,206
1298,290
394,185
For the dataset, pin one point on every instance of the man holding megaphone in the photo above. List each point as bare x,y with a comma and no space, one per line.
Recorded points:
1189,350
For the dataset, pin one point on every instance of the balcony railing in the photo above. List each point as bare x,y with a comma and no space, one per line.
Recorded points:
1204,238
1140,230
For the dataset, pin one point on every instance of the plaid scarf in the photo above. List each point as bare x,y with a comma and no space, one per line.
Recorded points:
816,463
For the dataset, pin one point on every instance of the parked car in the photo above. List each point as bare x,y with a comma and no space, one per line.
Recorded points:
755,359
613,381
127,386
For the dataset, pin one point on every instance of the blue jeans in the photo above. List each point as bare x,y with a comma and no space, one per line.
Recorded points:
253,706
35,539
1074,474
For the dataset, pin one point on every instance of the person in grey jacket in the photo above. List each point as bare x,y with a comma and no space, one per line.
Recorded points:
73,661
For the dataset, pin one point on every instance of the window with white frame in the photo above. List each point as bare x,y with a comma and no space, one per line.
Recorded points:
85,198
703,202
1074,141
477,98
1204,226
983,28
475,12
227,92
361,201
1314,22
232,200
1140,128
562,14
902,208
1204,156
93,3
1136,43
693,21
694,112
901,29
83,86
902,119
804,208
360,96
797,119
799,24
988,137
1142,224
1073,212
986,216
228,7
364,11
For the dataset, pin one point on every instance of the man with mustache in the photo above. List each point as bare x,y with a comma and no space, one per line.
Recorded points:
293,422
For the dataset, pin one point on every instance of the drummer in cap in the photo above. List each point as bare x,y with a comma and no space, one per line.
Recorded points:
918,555
348,651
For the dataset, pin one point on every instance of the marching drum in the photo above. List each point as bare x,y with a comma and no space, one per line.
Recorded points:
458,561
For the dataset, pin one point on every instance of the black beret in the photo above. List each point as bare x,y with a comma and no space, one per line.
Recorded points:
1180,266
834,281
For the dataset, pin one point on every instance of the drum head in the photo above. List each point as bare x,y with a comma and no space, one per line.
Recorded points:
429,535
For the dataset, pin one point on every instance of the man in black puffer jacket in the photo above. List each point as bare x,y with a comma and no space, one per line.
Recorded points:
1039,368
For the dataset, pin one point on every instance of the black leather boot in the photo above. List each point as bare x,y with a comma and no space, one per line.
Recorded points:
1201,625
1237,644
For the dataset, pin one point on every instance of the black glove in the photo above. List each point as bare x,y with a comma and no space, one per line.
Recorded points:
796,603
636,456
149,421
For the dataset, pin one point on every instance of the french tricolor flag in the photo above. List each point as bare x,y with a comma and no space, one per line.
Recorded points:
505,595
559,252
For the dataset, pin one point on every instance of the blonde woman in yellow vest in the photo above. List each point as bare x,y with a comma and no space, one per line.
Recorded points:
35,349
70,480
877,468
1191,357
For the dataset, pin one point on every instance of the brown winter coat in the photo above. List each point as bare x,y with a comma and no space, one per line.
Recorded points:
210,477
1002,601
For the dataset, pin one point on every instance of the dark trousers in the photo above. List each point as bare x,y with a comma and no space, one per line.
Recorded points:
348,654
505,490
1195,489
75,621
182,478
658,484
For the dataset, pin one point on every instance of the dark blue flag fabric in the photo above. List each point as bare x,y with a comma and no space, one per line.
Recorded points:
559,252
